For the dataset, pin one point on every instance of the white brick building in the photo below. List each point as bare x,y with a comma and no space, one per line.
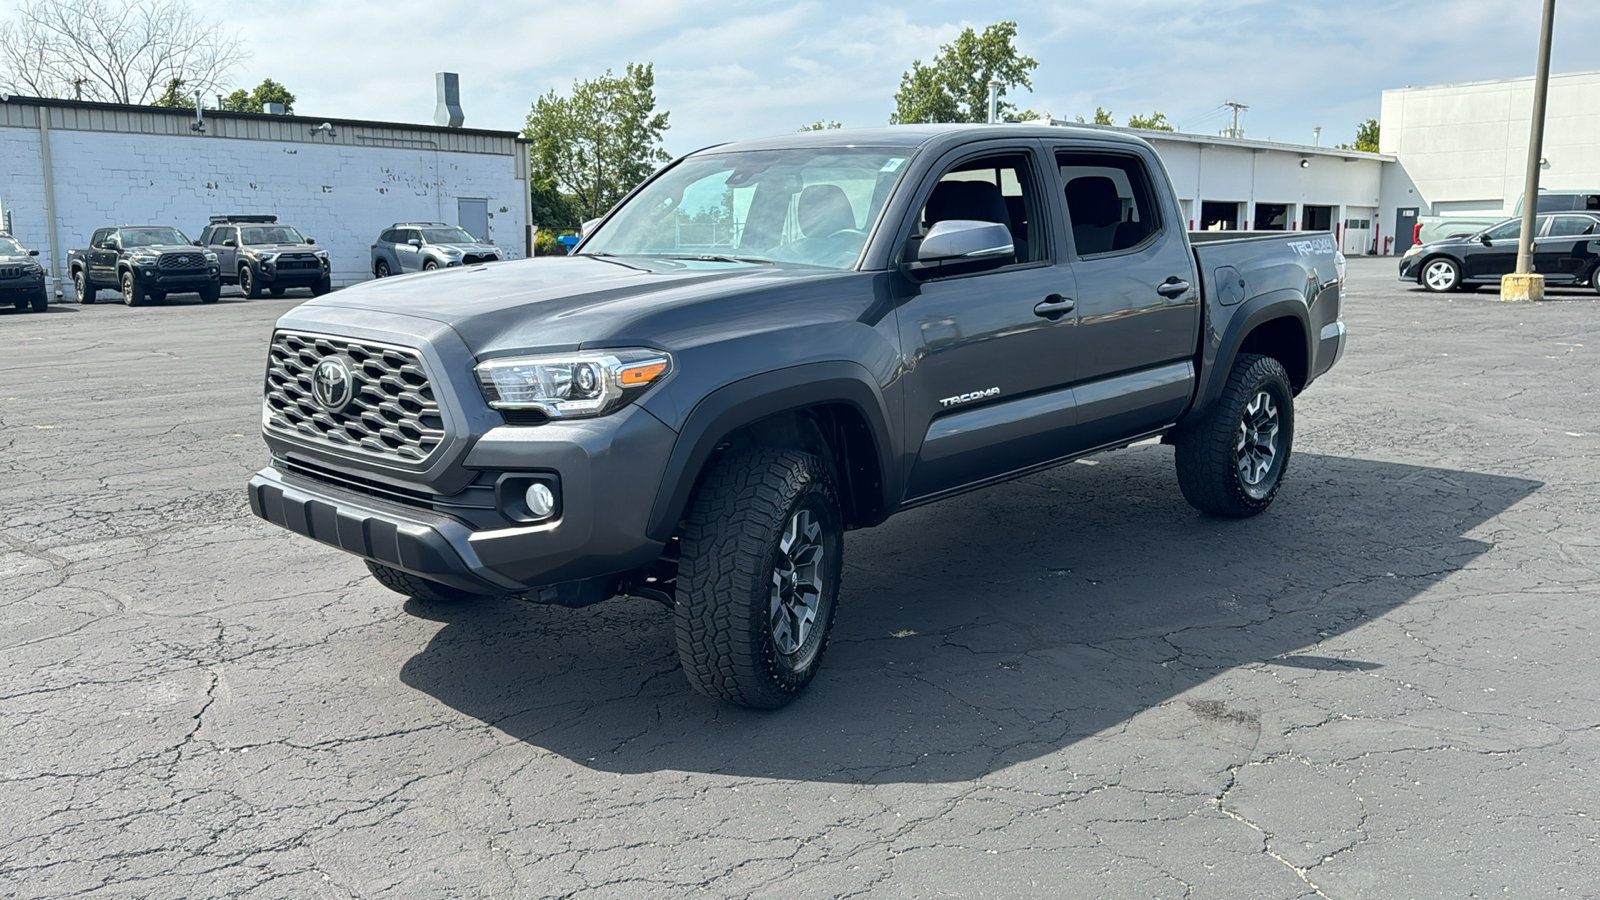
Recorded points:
84,166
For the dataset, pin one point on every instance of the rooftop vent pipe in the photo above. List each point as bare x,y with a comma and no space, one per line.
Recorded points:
448,112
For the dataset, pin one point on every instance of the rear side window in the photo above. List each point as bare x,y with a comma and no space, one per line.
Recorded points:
390,237
1109,201
1571,226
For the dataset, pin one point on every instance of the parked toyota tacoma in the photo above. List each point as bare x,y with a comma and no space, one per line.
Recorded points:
770,343
144,262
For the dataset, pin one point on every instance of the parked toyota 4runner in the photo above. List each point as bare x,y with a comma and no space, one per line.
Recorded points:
258,254
425,246
769,343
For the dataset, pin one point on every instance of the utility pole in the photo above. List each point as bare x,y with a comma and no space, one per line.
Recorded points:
1237,108
1524,284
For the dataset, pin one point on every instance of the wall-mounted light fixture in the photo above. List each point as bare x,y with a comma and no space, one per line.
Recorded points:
1305,163
325,128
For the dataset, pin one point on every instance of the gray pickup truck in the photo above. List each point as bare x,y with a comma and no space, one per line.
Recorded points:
769,343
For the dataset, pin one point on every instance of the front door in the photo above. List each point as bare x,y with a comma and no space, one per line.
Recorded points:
990,362
224,242
1495,253
103,260
408,250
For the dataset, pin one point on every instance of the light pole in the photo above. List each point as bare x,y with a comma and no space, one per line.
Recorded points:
1525,284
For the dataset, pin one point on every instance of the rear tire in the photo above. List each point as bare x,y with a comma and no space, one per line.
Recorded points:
416,586
132,291
1231,462
1594,279
758,578
380,269
85,290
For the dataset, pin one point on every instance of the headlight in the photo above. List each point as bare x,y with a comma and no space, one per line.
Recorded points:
143,259
266,257
320,254
571,385
1412,252
450,252
210,257
32,266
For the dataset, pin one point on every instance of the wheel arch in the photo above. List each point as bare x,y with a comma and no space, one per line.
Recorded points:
831,409
1276,324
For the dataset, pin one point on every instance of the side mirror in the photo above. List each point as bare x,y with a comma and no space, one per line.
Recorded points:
108,245
1484,240
311,240
230,242
415,242
586,227
960,246
196,243
33,253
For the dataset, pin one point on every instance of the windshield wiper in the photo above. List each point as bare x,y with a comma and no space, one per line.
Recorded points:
710,257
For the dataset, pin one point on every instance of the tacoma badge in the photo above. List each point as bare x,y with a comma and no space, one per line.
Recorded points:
968,398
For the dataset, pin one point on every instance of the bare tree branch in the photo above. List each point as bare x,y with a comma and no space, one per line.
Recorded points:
118,51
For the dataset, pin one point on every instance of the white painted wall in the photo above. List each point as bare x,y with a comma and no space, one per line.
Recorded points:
340,195
1464,147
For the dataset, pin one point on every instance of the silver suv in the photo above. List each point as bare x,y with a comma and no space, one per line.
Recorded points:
425,246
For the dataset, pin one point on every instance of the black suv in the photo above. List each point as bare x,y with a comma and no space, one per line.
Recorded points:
21,276
257,254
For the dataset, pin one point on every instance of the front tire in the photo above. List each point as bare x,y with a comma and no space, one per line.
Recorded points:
41,301
247,283
430,266
1441,275
1231,462
86,291
758,577
421,588
322,287
211,292
132,291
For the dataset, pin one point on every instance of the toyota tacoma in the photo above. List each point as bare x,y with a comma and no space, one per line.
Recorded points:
769,343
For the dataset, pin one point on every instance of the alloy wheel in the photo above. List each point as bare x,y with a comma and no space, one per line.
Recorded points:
1257,448
797,582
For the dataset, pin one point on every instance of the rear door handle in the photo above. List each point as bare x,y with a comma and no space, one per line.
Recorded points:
1173,287
1054,307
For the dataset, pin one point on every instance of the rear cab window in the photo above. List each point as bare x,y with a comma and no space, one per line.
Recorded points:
1110,204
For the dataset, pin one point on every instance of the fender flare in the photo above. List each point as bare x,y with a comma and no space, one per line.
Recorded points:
749,400
1285,303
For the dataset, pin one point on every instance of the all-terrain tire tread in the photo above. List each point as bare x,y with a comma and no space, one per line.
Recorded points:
414,586
1205,450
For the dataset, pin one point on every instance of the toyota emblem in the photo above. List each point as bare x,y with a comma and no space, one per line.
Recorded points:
332,384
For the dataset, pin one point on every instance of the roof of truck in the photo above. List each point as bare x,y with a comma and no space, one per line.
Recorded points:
913,136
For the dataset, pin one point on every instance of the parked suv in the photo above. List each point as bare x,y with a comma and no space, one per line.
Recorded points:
425,246
21,276
257,254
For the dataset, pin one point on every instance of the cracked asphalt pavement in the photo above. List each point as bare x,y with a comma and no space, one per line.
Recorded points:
1071,685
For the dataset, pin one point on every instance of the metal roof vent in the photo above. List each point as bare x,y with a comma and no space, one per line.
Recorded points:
272,108
448,112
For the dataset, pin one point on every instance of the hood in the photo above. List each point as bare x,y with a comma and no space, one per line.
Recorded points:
279,248
467,248
12,259
561,303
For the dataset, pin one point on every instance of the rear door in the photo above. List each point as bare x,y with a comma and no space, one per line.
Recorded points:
1566,251
1137,291
989,384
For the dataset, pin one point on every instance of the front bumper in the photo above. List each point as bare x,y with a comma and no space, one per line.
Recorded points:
22,287
1411,268
608,470
153,278
276,276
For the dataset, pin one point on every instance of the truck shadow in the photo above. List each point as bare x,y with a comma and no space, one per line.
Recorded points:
990,629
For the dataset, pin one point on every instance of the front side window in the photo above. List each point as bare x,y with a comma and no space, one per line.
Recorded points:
270,234
996,188
811,206
152,237
1509,230
1109,201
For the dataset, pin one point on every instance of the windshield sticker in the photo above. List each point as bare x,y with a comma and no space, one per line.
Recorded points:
893,164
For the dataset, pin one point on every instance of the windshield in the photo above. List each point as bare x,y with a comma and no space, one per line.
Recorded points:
152,237
810,206
447,236
9,247
271,234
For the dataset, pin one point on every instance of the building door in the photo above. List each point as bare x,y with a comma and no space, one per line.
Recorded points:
1317,218
1218,215
473,215
1358,231
1405,228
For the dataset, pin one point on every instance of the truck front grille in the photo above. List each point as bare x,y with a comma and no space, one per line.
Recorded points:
179,262
392,413
10,271
472,258
298,263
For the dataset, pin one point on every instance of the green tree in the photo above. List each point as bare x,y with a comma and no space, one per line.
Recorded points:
1366,137
955,86
1101,117
820,125
175,97
268,91
596,144
1156,121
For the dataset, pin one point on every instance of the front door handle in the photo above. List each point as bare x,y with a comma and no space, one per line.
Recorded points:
1173,287
1054,307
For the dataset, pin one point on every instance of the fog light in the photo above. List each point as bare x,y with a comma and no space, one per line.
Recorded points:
540,499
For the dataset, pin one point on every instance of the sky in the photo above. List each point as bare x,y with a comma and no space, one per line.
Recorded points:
733,70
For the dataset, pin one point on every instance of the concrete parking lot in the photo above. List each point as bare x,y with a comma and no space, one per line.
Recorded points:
1071,685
